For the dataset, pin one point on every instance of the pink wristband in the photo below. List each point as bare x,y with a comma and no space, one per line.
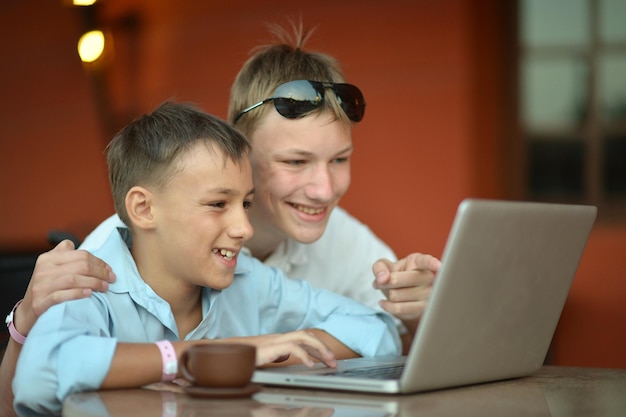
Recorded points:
17,336
170,361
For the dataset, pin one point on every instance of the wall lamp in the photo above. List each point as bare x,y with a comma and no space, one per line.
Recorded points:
91,46
113,77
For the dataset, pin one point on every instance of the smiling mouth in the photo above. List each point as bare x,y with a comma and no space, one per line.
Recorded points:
226,254
308,210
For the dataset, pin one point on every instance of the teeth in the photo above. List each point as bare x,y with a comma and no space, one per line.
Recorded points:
228,254
308,210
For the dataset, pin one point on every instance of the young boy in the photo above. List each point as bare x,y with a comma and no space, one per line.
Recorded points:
182,184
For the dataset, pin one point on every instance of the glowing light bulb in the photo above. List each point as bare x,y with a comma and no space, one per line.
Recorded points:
91,46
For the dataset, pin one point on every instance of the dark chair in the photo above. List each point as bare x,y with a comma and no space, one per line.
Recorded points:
15,272
16,268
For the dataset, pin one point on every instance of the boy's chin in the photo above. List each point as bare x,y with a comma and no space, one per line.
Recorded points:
221,282
308,235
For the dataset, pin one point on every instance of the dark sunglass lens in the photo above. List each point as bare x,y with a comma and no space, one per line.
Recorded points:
351,100
292,109
354,112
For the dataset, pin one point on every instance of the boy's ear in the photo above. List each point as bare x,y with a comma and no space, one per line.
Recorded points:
139,207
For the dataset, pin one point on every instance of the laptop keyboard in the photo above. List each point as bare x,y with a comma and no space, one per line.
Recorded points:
383,372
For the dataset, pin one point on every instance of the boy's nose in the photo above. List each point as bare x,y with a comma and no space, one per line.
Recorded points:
241,227
321,185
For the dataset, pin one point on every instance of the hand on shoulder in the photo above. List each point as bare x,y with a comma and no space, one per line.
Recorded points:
61,274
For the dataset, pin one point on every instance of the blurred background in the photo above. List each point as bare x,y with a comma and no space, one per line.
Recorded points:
521,100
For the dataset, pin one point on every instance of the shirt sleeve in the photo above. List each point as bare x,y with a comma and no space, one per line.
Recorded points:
288,304
68,350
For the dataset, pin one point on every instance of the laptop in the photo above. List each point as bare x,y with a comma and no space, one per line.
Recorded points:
507,269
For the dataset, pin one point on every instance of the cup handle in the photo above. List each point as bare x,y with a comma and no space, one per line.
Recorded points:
183,367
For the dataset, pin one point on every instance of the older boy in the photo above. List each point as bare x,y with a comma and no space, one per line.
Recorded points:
182,184
298,111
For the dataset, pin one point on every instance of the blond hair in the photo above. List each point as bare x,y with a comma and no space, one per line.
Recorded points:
277,63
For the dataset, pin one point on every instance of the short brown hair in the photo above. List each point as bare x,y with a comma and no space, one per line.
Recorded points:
146,151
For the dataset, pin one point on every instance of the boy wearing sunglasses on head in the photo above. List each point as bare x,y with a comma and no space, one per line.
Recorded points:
182,184
297,110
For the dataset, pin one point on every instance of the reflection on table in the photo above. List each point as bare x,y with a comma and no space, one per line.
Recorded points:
554,391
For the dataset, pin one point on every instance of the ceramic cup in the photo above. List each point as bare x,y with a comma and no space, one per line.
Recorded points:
219,365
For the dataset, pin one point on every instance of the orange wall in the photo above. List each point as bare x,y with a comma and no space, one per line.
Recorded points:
434,77
52,175
592,331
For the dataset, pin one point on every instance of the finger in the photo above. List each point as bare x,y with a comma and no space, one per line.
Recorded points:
398,295
74,264
282,358
51,285
61,281
382,270
40,305
62,268
66,280
406,279
64,245
274,352
43,300
406,310
62,253
85,263
323,355
302,354
421,261
75,275
96,266
314,347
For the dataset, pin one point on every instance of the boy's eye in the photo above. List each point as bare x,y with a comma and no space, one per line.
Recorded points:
295,162
247,204
341,160
218,204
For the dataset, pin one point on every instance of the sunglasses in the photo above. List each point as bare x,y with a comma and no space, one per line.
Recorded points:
297,98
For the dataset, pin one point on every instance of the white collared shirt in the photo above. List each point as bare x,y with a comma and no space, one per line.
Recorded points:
340,261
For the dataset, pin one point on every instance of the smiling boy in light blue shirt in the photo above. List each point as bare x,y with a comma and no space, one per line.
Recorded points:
182,184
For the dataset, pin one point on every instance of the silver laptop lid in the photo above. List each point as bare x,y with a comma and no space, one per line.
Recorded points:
506,272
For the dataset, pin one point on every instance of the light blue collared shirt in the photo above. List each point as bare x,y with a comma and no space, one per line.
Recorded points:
71,346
